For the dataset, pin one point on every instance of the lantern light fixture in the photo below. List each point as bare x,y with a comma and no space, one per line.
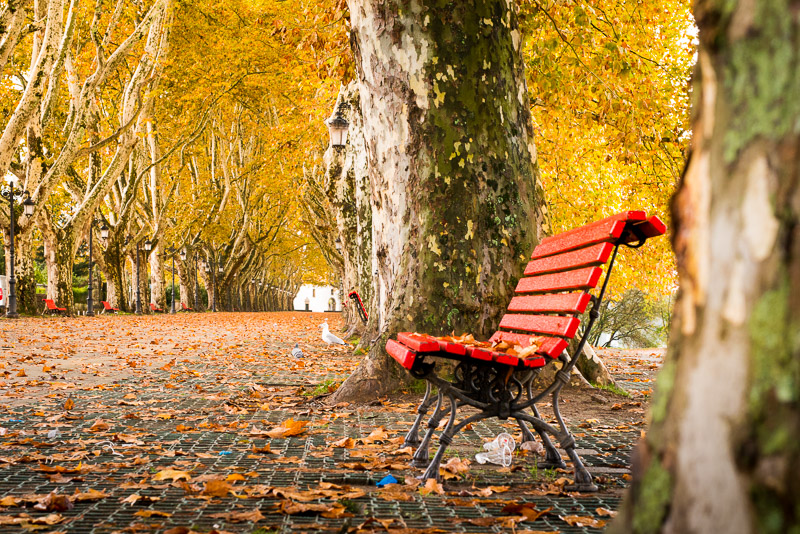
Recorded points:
337,128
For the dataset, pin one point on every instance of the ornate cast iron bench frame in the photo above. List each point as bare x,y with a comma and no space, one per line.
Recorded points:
556,289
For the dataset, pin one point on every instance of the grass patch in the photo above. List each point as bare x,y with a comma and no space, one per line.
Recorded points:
547,475
613,388
324,388
418,386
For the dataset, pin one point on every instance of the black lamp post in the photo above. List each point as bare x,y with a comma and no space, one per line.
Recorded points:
212,294
196,286
104,236
221,271
27,209
148,246
172,250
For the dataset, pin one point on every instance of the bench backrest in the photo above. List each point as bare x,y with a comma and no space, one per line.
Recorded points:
50,304
106,305
153,306
563,271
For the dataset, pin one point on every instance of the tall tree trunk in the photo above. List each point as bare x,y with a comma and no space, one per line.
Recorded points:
455,207
348,190
59,258
115,276
24,270
157,287
722,452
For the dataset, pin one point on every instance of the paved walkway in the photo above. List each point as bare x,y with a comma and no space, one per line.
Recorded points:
203,423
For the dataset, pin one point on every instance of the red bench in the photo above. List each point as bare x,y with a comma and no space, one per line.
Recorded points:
108,308
51,308
185,308
556,289
155,308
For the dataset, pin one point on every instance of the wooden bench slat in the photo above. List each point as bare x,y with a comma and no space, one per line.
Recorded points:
401,353
544,324
554,303
586,278
551,346
606,230
418,342
489,355
584,257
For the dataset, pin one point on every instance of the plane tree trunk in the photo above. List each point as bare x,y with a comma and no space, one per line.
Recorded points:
456,209
722,452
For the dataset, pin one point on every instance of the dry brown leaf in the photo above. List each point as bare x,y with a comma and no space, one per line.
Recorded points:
99,426
151,513
580,521
605,512
528,511
290,427
238,517
8,500
91,495
216,488
346,443
431,486
172,474
69,404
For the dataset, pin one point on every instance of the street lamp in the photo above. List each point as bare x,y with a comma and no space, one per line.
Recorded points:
27,209
337,128
104,235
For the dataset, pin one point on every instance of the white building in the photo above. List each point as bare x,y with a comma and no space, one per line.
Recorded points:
317,299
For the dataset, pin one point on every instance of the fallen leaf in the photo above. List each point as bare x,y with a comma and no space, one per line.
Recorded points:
91,495
99,426
580,521
290,427
529,511
151,513
431,486
347,443
216,488
605,512
238,517
172,474
69,404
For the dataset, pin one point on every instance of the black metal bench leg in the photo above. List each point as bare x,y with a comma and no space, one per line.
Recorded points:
444,441
552,458
421,457
527,435
412,438
583,480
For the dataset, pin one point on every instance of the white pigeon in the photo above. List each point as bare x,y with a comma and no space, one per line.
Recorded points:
296,352
329,338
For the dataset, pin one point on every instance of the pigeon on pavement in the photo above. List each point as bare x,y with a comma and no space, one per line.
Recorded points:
296,352
329,338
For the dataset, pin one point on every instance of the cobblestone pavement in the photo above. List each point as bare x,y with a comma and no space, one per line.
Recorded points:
190,434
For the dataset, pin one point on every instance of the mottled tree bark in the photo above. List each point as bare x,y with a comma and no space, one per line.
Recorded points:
722,453
455,205
348,191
